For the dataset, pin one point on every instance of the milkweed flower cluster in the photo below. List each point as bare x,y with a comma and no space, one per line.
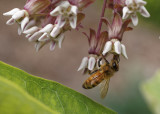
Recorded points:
46,21
109,41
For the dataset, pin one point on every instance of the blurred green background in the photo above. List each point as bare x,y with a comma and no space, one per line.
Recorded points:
124,96
153,7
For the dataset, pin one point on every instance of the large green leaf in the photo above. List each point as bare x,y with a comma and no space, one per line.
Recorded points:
22,93
151,92
15,100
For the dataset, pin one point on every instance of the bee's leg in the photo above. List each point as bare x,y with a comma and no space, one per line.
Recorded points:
118,59
105,59
99,62
85,71
93,72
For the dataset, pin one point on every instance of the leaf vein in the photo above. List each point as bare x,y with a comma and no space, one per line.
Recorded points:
60,101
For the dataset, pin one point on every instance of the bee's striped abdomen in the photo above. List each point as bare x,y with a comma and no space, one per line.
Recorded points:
93,80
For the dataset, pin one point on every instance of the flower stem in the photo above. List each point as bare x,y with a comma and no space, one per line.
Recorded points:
100,22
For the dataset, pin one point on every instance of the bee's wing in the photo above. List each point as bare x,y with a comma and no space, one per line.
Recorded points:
104,87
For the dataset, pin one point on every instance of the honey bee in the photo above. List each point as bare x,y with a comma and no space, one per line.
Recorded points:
104,74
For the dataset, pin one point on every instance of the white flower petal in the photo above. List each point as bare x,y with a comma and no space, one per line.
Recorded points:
47,28
65,4
30,24
56,11
74,10
11,12
107,47
60,40
140,2
144,11
117,47
10,21
56,30
129,2
28,35
61,21
34,37
134,19
73,22
19,30
91,63
83,63
124,51
18,15
52,46
38,45
43,37
24,22
125,12
31,30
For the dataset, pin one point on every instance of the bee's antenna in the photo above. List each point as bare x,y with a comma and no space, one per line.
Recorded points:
102,57
105,59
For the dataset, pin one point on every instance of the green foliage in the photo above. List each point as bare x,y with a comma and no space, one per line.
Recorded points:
151,92
128,98
22,93
153,8
16,101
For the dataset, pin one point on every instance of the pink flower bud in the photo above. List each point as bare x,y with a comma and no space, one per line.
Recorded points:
37,6
81,3
96,45
117,28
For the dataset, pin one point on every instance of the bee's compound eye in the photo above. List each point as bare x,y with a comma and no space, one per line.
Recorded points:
115,66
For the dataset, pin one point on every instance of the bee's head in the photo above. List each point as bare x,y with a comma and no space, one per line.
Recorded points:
115,63
115,66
